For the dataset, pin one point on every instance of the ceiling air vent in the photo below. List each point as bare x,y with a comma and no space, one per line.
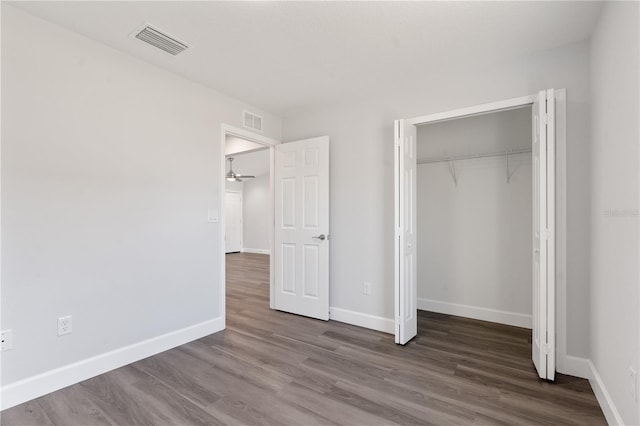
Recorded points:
252,121
160,40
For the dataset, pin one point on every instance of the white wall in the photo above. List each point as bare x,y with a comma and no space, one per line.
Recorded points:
255,225
614,204
361,132
109,166
474,239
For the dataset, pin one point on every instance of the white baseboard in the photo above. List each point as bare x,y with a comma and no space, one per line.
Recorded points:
604,399
373,322
574,366
475,312
255,251
44,383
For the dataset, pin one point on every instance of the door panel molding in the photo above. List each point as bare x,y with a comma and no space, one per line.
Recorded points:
301,213
230,247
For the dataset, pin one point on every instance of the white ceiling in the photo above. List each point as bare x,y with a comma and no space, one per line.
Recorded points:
254,163
283,55
235,145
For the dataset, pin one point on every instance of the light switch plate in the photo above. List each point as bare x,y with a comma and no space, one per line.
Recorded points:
212,215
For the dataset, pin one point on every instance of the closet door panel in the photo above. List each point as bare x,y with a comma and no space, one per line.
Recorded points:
543,318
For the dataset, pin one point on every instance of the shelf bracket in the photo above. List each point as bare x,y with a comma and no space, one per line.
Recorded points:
452,169
510,172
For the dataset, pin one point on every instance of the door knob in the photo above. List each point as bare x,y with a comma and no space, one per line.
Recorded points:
320,237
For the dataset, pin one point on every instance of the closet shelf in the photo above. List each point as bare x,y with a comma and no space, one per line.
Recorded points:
472,156
452,161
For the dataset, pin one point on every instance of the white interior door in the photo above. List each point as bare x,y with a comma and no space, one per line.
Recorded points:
543,321
232,221
301,252
406,293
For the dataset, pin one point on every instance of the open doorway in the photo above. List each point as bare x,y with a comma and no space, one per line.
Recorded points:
546,252
247,238
247,203
296,215
246,207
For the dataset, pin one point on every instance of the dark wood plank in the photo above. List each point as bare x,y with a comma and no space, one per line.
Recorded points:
74,406
269,367
29,413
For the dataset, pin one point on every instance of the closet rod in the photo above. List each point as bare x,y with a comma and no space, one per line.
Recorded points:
470,157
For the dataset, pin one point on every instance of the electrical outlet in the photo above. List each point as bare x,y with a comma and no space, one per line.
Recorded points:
366,288
65,325
634,384
6,340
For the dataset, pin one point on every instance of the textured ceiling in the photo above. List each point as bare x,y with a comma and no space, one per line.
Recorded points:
283,55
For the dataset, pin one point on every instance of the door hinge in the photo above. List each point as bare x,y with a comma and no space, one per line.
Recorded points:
547,349
546,234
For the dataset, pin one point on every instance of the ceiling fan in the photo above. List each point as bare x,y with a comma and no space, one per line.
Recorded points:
232,176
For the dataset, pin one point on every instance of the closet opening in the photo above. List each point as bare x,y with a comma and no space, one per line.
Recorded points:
474,217
474,232
480,223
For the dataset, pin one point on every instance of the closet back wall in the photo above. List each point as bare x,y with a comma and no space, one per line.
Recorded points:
474,239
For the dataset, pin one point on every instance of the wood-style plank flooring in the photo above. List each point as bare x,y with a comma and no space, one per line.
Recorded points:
269,367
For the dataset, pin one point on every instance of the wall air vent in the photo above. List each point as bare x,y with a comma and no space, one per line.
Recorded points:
158,39
252,121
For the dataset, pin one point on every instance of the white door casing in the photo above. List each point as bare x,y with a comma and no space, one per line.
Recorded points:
233,221
543,312
301,249
406,318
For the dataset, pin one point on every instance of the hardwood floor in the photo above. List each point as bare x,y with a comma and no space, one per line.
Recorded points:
269,367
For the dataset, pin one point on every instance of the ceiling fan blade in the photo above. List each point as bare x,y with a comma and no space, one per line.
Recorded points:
245,176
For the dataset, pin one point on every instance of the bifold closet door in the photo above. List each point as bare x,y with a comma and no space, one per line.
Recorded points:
543,318
406,289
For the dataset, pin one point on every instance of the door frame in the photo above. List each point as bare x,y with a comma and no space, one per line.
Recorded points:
228,130
242,221
562,362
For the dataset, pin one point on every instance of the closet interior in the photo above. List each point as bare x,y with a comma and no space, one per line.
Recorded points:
474,217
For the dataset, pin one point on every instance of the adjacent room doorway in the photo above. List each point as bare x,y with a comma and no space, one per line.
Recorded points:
294,218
